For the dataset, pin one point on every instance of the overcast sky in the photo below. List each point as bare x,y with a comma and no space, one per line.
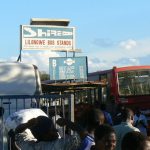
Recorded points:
109,32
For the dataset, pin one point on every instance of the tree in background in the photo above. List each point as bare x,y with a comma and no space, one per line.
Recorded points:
44,76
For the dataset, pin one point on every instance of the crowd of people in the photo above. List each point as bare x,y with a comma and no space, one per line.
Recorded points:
94,130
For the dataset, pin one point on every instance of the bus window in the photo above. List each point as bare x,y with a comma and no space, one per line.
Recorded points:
134,82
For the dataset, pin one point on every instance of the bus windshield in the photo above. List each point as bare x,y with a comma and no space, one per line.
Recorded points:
135,82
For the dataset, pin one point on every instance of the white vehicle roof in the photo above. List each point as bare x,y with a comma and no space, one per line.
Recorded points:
17,78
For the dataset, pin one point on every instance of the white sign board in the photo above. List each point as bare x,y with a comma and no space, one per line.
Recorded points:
58,38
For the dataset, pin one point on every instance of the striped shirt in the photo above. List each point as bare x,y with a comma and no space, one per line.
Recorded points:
87,143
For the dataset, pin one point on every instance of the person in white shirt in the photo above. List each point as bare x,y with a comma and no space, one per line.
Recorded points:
45,135
125,126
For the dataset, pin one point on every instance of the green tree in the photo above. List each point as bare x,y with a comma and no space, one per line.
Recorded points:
44,76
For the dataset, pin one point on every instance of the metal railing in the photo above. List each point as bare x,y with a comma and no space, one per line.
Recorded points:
13,103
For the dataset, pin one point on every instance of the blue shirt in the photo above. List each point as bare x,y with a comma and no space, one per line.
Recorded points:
86,143
108,117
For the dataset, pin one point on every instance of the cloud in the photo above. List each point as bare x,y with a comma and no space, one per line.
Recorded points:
41,59
128,45
38,58
125,53
127,62
96,64
104,65
134,60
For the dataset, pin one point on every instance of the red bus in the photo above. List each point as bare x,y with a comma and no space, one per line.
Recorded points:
129,86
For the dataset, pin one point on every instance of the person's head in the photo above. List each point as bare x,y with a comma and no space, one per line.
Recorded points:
43,129
105,137
120,107
95,117
103,106
135,141
137,111
80,111
97,104
127,115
